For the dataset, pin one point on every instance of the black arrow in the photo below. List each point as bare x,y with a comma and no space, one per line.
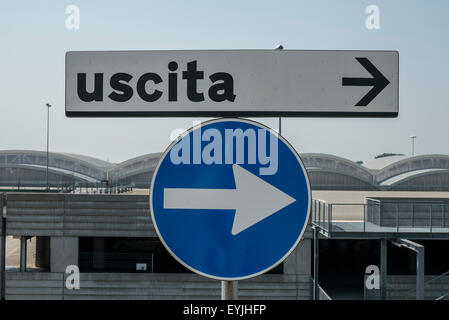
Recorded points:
378,82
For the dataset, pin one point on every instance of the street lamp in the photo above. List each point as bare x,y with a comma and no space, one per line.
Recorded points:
280,47
48,133
413,144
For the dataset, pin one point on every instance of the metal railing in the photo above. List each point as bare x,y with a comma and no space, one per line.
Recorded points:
322,214
409,292
101,189
381,216
322,294
78,188
443,297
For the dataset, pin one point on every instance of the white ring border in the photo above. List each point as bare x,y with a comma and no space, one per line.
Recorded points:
308,189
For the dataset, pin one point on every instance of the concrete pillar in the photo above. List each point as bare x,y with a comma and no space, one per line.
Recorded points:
63,252
23,253
419,249
299,261
316,270
383,269
420,273
98,249
299,264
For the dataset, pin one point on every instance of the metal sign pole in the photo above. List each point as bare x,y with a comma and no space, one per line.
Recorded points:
316,252
280,126
229,290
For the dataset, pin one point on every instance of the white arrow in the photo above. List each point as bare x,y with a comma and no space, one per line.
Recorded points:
253,199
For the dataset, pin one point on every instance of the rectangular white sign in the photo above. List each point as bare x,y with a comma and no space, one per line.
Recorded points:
214,83
141,266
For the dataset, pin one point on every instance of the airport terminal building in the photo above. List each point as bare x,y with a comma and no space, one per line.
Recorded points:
19,168
392,212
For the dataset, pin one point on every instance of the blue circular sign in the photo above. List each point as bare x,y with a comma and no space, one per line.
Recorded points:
230,199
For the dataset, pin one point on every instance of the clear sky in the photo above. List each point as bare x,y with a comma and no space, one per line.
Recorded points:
34,39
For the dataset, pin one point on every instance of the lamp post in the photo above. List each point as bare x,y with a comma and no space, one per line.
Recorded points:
48,134
280,47
413,144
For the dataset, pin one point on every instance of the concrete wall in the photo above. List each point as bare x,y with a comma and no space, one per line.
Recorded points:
40,214
66,217
72,215
108,216
35,214
34,285
299,261
63,252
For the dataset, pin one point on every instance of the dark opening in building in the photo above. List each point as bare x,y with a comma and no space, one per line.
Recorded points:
111,254
126,255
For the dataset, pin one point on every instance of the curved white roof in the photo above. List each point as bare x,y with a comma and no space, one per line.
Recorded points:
65,172
411,174
92,160
380,163
381,172
331,163
399,166
72,156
